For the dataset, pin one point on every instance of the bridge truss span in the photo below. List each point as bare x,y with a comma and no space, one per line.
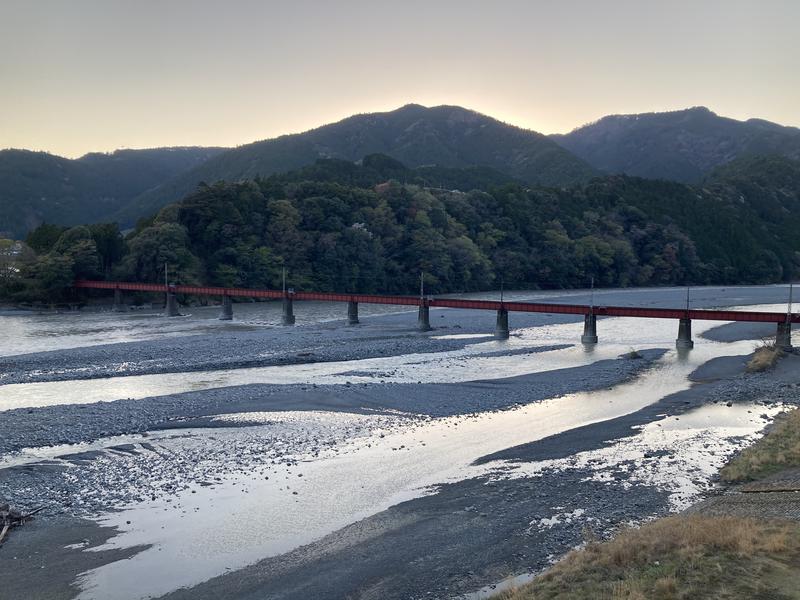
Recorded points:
425,303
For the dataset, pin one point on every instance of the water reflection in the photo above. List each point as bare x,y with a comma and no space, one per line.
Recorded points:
202,534
24,332
481,360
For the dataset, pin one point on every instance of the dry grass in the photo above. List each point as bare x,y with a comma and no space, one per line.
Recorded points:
778,450
678,558
765,357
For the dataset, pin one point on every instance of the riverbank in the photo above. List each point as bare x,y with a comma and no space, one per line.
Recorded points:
525,510
744,542
462,458
694,556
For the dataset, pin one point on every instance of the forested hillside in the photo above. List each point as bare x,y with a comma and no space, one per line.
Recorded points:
683,145
127,185
373,227
445,136
36,187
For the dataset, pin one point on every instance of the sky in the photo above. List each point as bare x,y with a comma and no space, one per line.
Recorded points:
95,75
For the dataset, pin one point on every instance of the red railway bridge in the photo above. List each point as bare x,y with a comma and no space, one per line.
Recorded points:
684,317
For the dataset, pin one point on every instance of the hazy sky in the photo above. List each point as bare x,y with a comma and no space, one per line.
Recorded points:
85,75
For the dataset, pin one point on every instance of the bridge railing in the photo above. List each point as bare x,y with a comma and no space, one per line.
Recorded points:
534,307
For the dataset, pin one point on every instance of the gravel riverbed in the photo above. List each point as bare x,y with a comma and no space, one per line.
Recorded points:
522,497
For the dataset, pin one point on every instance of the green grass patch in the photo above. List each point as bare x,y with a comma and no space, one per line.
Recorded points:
679,558
778,450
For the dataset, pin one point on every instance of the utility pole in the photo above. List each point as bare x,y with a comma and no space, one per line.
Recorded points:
789,313
166,287
423,315
591,296
284,281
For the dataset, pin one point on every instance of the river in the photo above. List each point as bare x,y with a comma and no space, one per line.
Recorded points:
243,486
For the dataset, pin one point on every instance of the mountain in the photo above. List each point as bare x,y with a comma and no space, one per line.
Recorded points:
683,145
444,136
38,187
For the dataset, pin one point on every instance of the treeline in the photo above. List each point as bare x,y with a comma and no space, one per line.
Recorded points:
52,257
373,227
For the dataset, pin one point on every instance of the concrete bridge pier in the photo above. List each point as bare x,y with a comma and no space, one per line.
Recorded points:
171,308
783,338
352,313
288,312
684,340
424,317
589,329
501,328
227,309
118,305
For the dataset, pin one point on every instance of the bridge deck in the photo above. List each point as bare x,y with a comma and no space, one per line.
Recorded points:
536,307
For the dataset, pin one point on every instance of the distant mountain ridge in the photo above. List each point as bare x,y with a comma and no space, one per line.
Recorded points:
127,185
38,187
684,145
444,136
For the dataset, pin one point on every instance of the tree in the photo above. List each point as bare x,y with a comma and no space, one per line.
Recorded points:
14,257
109,243
44,237
163,243
47,279
78,245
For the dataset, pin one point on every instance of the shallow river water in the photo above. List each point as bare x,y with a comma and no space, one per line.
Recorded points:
619,335
259,508
206,531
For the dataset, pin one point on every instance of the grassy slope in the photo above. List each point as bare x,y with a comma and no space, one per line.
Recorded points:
692,556
679,557
778,450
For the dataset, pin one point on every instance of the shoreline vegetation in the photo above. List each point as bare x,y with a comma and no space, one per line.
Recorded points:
374,227
765,357
692,555
776,451
683,556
